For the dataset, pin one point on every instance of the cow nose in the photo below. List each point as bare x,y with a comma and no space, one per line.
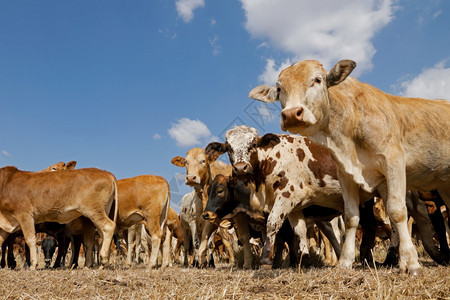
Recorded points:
209,216
241,168
191,178
292,117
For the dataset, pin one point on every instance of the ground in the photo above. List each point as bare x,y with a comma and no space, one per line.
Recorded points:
225,282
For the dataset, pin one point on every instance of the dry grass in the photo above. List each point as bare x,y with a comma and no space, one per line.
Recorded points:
225,282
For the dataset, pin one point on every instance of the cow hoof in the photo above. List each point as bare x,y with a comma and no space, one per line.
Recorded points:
416,272
344,264
266,267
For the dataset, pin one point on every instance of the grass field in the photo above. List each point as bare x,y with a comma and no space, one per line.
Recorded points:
226,282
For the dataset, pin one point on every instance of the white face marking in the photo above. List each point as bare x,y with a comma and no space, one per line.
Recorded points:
240,139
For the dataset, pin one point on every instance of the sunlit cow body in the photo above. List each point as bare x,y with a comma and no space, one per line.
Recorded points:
379,141
199,173
28,198
287,174
145,197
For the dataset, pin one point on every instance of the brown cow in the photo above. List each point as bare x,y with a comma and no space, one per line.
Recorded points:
28,198
145,197
379,141
199,173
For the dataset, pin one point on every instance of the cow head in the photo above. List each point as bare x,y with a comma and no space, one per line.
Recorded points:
302,90
241,145
197,166
220,198
60,166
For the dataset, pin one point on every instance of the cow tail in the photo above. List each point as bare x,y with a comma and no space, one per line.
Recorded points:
115,204
163,218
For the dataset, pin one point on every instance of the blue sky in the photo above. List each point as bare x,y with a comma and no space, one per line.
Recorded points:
127,85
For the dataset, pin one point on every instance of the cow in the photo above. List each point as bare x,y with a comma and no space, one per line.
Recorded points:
379,141
229,201
174,225
28,198
199,173
286,174
145,197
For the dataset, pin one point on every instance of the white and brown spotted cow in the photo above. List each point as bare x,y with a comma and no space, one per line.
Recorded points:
200,171
287,174
379,141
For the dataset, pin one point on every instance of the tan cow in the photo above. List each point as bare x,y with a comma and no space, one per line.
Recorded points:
145,197
174,225
200,170
379,141
60,166
28,198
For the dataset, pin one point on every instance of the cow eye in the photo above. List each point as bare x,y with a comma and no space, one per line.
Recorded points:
219,192
254,145
203,161
318,80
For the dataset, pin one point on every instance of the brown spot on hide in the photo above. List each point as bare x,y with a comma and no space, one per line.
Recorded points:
323,163
301,185
286,194
282,182
267,166
300,154
290,139
278,154
292,188
282,216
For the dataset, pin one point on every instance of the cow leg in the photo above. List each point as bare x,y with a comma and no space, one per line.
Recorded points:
155,231
206,233
228,247
166,247
89,243
369,226
131,243
328,231
298,223
27,224
350,193
187,239
243,232
396,208
105,227
5,242
419,212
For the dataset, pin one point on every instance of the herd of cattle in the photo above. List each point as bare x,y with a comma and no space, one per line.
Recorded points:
361,154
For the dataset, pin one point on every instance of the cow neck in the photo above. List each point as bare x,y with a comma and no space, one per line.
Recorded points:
202,189
342,144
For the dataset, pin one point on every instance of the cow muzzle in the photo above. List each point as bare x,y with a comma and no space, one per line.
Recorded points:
242,168
192,180
291,117
209,215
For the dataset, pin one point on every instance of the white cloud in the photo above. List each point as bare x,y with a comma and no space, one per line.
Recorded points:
326,30
5,153
432,83
214,45
188,133
213,22
271,72
157,136
185,8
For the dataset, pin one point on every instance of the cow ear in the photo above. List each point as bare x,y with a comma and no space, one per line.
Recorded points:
340,71
268,139
214,150
71,165
179,161
264,93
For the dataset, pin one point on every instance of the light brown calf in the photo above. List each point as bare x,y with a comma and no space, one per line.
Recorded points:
28,198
